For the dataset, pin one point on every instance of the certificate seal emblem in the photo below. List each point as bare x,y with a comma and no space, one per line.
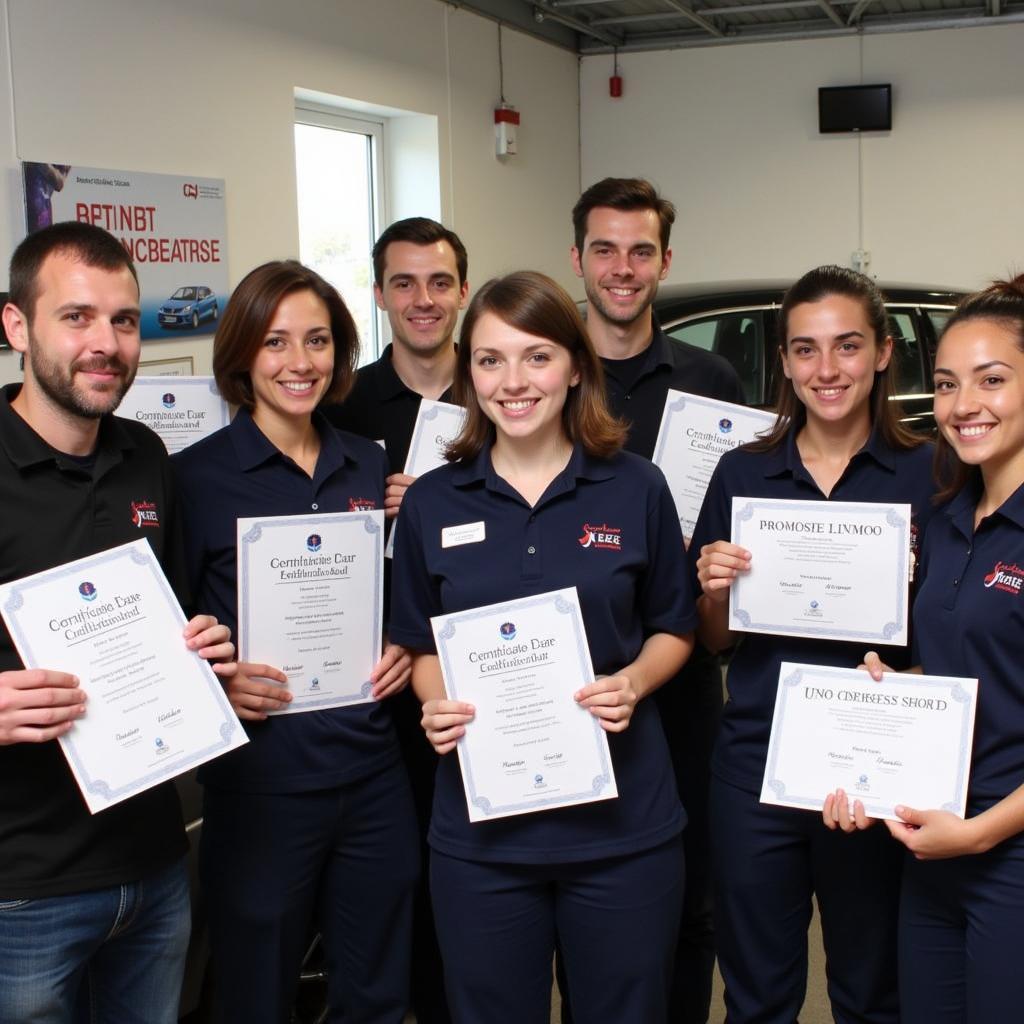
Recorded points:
725,425
507,631
87,590
167,400
314,542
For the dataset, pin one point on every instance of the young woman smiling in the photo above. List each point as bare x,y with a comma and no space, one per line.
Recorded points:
312,819
962,907
836,438
539,459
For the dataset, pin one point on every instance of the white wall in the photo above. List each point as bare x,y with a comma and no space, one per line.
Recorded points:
730,135
206,87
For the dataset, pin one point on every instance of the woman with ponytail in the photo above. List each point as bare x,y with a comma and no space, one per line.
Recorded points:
962,906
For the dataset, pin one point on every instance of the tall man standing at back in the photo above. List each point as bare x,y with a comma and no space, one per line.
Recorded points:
621,230
94,909
419,270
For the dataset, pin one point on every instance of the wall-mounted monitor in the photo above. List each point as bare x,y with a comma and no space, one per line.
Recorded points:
855,108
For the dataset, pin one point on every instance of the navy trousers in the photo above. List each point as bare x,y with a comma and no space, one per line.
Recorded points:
769,862
273,865
615,921
961,937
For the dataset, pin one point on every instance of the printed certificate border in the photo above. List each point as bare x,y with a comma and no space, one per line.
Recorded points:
373,524
896,515
445,627
791,675
141,554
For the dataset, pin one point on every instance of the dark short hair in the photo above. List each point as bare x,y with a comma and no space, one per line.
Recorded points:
247,318
815,286
85,242
1002,302
537,305
623,194
419,231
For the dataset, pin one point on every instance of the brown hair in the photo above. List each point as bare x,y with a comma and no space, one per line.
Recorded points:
418,231
814,286
623,194
86,242
535,304
1002,302
247,318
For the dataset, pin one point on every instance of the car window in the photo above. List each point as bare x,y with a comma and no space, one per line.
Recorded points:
907,355
738,337
939,318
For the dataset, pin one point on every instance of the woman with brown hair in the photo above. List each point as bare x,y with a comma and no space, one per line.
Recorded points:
312,820
539,468
836,439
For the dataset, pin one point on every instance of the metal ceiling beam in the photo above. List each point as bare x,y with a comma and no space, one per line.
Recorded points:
695,17
858,9
807,30
641,19
832,13
543,11
580,3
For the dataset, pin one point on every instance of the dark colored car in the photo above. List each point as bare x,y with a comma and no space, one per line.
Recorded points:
187,306
739,321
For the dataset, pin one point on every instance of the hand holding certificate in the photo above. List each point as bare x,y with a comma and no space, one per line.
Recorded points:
905,740
825,569
530,746
155,708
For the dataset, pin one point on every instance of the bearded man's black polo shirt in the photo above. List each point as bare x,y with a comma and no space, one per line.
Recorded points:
55,509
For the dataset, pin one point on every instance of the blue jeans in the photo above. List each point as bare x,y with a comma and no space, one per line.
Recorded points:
108,956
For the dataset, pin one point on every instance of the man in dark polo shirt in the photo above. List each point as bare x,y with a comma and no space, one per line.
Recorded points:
621,230
94,909
419,270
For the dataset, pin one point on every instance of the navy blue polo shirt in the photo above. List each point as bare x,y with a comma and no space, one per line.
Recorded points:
969,621
875,474
237,472
626,594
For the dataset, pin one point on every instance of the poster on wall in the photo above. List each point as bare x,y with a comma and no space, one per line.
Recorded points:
174,227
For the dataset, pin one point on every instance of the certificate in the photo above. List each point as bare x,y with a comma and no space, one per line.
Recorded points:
310,602
695,433
825,569
155,708
906,740
437,424
530,747
182,410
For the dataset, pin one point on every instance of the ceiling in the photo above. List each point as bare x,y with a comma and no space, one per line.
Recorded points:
601,26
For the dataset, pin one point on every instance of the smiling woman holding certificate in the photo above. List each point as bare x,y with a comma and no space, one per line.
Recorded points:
538,497
315,820
836,440
962,907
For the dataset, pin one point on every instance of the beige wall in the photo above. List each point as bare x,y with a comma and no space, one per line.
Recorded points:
206,87
730,134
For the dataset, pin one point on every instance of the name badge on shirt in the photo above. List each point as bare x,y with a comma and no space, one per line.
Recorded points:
467,533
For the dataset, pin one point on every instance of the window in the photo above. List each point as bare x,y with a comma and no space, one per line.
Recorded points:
906,353
337,163
737,336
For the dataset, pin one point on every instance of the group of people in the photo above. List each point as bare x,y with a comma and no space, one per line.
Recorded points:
354,820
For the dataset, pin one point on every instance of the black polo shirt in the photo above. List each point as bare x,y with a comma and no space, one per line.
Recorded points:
627,592
55,509
636,387
235,473
381,408
877,474
969,621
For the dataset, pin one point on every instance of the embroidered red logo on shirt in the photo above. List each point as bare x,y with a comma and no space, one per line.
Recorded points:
361,504
603,536
1008,576
144,514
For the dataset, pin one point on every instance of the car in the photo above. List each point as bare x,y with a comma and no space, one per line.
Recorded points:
739,321
188,306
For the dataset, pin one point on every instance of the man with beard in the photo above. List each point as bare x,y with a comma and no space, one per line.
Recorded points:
94,909
419,270
621,250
